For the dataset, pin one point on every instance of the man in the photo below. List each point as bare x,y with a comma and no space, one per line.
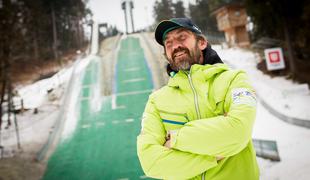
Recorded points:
198,126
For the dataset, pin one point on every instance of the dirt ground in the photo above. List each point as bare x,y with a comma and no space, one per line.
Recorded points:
23,166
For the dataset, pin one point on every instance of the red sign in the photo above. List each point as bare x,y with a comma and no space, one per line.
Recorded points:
274,59
274,56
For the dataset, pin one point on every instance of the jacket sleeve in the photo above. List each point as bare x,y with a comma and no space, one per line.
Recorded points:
224,135
157,161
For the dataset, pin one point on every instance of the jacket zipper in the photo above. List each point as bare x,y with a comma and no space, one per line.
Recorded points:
195,95
196,105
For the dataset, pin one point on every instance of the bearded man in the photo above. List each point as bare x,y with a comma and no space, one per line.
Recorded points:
199,125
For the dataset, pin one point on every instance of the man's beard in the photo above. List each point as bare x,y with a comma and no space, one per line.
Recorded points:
184,63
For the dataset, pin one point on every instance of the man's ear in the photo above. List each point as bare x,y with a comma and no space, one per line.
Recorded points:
202,43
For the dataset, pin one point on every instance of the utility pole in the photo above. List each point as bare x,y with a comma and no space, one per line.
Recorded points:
131,16
124,7
55,43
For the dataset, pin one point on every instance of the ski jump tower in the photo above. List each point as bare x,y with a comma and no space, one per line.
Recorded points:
127,5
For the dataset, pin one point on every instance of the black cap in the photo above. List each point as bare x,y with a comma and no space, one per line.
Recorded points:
168,25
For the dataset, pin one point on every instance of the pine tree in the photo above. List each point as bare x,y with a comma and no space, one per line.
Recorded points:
25,33
283,21
179,10
163,10
201,15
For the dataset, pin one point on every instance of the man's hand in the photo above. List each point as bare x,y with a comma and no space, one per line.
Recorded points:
168,144
168,141
218,158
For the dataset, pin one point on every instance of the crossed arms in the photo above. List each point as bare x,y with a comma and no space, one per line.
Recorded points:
196,146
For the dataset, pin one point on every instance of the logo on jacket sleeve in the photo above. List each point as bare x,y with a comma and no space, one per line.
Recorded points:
243,96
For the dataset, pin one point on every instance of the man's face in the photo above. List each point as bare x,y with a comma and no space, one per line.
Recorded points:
183,49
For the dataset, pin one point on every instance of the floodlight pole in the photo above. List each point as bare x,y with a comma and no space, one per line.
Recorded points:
124,7
131,16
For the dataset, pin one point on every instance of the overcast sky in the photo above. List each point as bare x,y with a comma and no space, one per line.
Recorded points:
110,11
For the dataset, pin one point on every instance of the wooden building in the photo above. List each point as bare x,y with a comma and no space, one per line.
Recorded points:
232,19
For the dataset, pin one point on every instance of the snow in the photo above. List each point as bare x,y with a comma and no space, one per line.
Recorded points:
35,95
96,98
293,145
71,111
34,129
288,98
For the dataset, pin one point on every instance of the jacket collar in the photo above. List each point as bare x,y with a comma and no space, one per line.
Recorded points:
205,72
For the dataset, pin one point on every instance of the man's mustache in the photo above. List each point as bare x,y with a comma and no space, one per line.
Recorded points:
178,50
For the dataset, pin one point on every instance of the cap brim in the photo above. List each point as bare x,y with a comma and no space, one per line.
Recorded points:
163,28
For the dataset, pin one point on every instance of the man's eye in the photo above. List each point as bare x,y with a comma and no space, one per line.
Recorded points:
182,37
168,43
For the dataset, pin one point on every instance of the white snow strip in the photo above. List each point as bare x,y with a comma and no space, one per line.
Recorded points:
114,104
85,126
95,103
143,177
81,66
132,69
114,101
133,80
84,98
129,120
134,92
115,122
100,123
86,86
72,115
120,107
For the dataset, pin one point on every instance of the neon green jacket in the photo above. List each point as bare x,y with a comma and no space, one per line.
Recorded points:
209,111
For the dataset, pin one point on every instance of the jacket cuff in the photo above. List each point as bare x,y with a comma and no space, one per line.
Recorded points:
173,137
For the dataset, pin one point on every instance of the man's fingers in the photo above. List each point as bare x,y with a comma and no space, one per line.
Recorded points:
218,158
167,144
168,136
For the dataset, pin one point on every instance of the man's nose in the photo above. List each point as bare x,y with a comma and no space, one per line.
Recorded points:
175,45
